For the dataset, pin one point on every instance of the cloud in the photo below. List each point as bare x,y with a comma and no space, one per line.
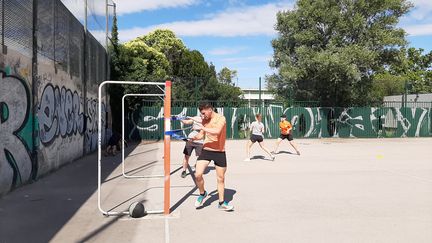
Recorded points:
419,30
236,2
226,50
76,7
99,35
97,7
422,9
132,6
247,59
246,21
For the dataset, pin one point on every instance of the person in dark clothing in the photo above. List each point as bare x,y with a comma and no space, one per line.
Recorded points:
114,144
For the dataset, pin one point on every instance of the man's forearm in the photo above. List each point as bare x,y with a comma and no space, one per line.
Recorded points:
199,136
187,122
214,130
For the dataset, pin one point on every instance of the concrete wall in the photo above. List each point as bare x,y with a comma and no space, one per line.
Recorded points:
47,118
16,130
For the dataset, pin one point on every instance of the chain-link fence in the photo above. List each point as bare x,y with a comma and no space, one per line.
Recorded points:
17,25
60,37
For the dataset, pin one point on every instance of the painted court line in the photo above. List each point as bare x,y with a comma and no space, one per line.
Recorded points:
167,239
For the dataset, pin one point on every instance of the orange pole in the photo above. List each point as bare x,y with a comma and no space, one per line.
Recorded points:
167,149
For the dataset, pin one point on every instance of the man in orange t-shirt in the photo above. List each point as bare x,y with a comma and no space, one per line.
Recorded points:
286,128
213,131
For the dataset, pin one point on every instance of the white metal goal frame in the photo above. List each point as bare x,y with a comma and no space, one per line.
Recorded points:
123,136
167,142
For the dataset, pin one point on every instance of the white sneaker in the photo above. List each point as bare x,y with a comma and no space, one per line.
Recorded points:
226,207
247,159
200,200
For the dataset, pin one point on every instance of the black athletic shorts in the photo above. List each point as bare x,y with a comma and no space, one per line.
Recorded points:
218,157
256,138
191,146
286,136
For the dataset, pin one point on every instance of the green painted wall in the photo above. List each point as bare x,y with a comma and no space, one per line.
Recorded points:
308,122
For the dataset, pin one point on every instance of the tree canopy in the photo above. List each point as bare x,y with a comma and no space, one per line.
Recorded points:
227,76
160,55
331,50
410,72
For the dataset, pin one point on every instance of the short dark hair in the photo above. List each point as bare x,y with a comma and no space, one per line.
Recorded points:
205,105
283,116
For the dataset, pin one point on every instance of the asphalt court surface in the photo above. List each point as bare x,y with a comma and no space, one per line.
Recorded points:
337,190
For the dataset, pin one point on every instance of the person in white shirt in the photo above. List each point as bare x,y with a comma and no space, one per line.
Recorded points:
196,145
257,129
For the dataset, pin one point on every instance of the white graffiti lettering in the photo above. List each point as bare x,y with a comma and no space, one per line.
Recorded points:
15,160
59,113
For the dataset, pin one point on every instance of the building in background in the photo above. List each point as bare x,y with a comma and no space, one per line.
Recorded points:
252,96
412,100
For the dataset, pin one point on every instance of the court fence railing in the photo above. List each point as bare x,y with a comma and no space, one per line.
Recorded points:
392,119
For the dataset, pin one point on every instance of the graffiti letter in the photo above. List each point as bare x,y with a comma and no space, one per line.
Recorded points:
15,162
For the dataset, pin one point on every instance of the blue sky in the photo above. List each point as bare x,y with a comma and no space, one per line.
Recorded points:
233,33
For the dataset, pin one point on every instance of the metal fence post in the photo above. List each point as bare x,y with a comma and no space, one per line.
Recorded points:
84,76
34,89
259,94
3,24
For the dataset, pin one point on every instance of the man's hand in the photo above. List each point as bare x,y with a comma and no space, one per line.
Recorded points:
198,126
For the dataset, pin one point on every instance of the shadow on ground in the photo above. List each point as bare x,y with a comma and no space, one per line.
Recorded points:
285,152
213,196
36,212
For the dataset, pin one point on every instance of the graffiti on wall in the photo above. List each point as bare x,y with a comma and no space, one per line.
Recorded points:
61,114
16,165
91,131
316,122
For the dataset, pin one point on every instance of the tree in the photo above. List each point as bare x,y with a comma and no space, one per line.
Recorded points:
191,73
166,42
386,84
410,69
161,55
226,76
415,69
214,90
116,73
144,63
329,50
196,80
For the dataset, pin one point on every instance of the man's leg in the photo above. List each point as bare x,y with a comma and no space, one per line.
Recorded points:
220,174
248,147
201,165
110,150
185,165
119,145
187,151
279,140
294,146
107,150
261,144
